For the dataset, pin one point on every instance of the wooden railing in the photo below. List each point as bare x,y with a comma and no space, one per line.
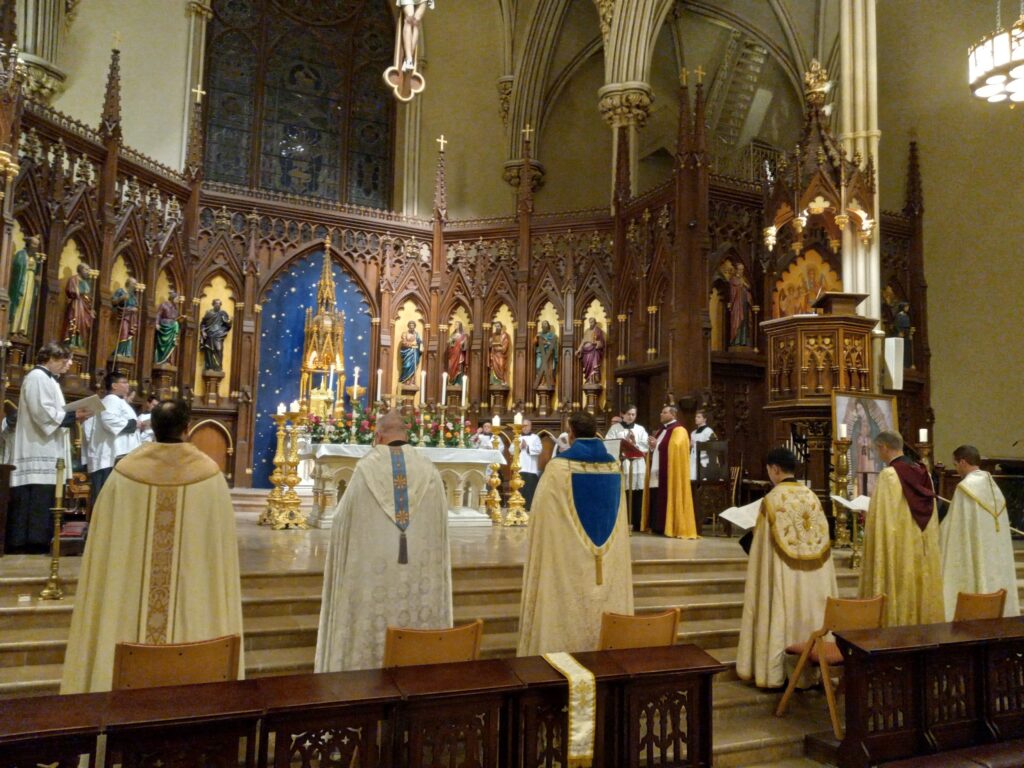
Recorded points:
653,709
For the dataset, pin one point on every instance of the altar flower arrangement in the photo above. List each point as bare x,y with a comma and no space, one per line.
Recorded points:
360,426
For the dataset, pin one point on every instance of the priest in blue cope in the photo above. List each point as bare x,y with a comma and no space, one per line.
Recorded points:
578,563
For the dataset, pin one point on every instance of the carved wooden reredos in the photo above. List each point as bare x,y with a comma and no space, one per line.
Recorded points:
654,267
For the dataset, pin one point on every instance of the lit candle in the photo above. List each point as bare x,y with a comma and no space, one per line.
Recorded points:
922,435
842,431
294,407
518,419
355,386
444,388
60,483
281,410
496,421
330,384
380,386
423,388
465,390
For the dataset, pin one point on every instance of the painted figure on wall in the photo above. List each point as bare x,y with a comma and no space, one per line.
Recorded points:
167,330
546,358
591,352
805,279
126,301
24,266
213,329
79,314
458,354
499,346
410,347
740,308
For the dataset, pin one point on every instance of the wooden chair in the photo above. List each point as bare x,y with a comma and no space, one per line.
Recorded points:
410,647
840,615
979,605
645,631
138,665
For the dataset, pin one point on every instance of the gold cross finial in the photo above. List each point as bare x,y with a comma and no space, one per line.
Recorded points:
527,132
117,39
199,92
684,76
442,141
699,72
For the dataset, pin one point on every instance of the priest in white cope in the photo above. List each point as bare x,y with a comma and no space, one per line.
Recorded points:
161,560
977,550
578,564
790,575
40,438
634,469
114,432
388,562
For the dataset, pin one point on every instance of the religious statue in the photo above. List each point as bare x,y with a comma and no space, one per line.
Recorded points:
591,352
547,357
901,324
740,310
458,354
79,314
410,347
167,330
24,266
499,346
127,301
411,21
213,329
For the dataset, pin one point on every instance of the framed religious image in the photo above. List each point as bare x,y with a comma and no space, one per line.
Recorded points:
863,417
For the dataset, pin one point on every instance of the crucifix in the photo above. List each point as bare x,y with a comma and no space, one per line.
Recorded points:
199,92
684,76
442,141
527,132
699,72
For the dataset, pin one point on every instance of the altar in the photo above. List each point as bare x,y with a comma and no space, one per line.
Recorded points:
463,471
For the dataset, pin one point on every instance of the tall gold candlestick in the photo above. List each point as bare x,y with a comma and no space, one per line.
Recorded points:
494,481
53,589
276,496
290,515
516,503
840,469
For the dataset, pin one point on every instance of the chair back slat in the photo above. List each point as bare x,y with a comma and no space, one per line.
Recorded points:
848,613
404,647
140,665
979,605
648,630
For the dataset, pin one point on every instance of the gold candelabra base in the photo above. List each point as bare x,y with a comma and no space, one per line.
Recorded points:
493,499
283,503
840,472
516,503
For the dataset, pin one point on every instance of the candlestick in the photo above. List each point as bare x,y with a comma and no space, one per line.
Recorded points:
60,483
380,386
330,380
840,464
294,407
53,589
493,498
355,388
444,388
516,503
281,409
423,389
842,431
465,390
922,435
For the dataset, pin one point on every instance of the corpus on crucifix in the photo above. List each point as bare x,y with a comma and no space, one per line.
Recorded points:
404,77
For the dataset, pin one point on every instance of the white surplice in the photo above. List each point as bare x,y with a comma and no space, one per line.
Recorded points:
160,563
637,467
977,550
108,442
366,589
39,438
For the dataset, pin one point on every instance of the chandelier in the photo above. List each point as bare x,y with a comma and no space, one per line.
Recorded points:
996,63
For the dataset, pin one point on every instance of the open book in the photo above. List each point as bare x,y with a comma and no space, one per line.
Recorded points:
91,403
861,503
744,517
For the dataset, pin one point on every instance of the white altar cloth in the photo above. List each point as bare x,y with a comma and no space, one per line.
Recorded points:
463,470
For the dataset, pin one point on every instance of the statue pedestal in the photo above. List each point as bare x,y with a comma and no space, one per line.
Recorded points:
499,398
18,354
407,395
164,376
211,383
591,396
544,400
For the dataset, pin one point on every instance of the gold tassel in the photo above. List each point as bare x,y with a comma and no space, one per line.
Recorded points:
403,550
599,568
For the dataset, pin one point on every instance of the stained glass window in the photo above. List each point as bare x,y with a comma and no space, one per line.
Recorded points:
296,99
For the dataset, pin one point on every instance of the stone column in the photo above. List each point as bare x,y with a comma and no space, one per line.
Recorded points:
42,27
626,105
199,14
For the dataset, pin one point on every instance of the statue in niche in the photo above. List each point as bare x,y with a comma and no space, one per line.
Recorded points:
167,330
79,314
740,308
546,358
498,347
410,347
24,266
213,329
126,300
458,353
591,352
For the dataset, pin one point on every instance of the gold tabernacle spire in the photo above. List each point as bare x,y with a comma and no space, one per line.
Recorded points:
323,353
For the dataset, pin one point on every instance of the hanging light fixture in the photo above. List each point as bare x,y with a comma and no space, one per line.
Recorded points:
995,65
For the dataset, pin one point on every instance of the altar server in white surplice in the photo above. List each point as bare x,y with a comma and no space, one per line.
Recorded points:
977,551
789,577
388,563
115,432
578,564
161,560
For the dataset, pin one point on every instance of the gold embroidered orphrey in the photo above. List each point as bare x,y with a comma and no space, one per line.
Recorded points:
582,708
160,565
799,527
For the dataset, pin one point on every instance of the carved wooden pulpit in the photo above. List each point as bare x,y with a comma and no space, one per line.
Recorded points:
809,357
